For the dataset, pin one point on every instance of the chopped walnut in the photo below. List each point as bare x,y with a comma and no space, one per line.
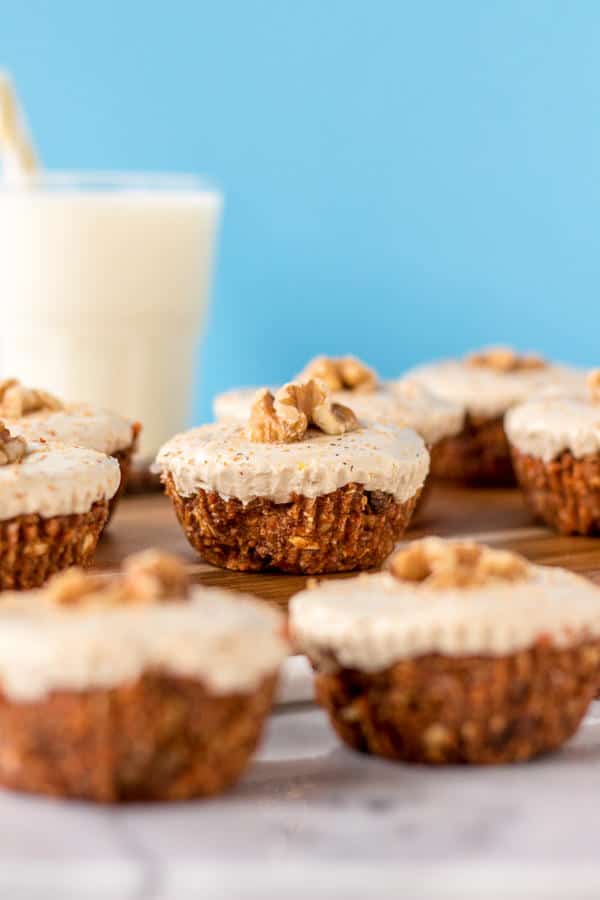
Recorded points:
16,400
286,416
147,577
12,449
342,373
154,575
593,385
74,587
443,564
504,359
302,543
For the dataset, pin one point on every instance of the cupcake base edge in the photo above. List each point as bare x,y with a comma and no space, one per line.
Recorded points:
478,455
564,493
345,530
437,709
159,738
32,548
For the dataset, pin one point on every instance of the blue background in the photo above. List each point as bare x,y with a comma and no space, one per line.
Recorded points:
402,180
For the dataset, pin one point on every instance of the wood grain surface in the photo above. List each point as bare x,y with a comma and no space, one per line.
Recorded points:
496,517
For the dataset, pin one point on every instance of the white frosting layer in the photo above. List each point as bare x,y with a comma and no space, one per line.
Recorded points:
57,481
547,428
221,458
432,416
485,392
402,403
78,425
230,644
372,621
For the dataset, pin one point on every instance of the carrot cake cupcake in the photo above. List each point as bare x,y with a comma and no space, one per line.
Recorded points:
301,487
456,654
39,416
354,384
487,384
54,503
135,686
555,444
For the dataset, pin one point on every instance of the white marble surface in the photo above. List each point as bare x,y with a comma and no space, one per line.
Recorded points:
312,819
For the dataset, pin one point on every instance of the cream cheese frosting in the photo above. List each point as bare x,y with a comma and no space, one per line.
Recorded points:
372,621
230,644
432,416
546,428
401,403
56,480
79,425
221,458
486,392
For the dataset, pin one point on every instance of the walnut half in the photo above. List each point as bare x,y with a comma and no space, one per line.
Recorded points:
342,373
12,449
16,400
504,359
444,564
286,416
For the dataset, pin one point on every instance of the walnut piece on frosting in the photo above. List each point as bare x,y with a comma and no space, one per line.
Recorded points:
147,577
154,575
16,400
505,359
74,587
12,449
342,373
444,564
286,416
593,385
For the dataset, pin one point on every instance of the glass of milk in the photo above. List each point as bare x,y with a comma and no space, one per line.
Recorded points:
104,282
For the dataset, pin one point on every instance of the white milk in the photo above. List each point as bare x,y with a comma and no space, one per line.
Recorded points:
103,288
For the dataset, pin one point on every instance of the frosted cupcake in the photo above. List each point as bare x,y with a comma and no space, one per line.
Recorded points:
302,487
457,654
134,687
39,416
487,384
54,503
555,445
353,384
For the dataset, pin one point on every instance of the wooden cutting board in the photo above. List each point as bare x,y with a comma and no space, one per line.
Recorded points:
496,517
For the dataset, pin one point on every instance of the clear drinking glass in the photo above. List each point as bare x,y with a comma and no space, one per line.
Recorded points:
104,282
